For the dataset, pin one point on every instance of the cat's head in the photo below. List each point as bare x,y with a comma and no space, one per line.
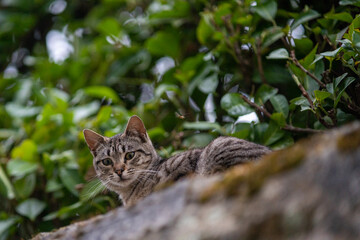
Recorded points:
122,159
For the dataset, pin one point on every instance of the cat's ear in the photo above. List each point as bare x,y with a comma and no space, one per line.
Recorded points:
136,127
93,139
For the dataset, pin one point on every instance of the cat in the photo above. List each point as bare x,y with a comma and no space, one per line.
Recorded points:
128,164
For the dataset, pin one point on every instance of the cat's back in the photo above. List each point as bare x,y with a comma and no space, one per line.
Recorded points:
224,152
235,143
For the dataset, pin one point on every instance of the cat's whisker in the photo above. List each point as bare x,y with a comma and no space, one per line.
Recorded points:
93,190
147,171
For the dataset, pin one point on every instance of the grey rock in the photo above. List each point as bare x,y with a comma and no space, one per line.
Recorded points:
308,191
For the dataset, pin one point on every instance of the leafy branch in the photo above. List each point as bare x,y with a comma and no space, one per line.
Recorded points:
298,64
267,114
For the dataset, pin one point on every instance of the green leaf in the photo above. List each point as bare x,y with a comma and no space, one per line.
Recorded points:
241,130
18,111
271,35
163,88
48,164
70,178
264,93
356,39
205,30
299,100
244,20
343,87
354,25
102,92
198,140
24,93
25,186
209,84
267,10
208,70
310,58
173,9
343,16
259,132
350,2
84,111
189,67
319,69
64,156
57,95
321,95
223,10
109,26
356,22
303,45
19,168
235,105
330,88
164,44
202,125
302,102
304,17
31,208
5,185
52,185
284,142
157,134
26,151
331,54
339,79
273,133
64,212
104,114
346,44
343,117
279,118
280,104
280,53
318,57
7,223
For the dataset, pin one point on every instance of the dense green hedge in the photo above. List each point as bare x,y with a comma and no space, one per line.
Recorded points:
189,69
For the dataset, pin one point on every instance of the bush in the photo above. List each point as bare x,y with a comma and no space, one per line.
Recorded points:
190,69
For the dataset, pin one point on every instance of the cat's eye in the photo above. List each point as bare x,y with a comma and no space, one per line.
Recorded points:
107,161
129,155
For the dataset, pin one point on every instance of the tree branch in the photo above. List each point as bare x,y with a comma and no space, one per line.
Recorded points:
298,64
301,130
258,57
244,64
306,95
287,127
303,91
254,105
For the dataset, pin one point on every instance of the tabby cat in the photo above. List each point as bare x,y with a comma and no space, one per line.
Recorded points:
128,164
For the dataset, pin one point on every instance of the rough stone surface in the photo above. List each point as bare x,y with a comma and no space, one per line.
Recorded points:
308,191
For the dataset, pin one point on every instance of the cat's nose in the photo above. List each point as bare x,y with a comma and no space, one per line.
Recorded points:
120,171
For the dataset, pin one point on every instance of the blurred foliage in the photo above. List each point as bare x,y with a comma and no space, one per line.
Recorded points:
190,69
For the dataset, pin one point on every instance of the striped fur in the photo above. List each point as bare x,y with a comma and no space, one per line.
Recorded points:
135,178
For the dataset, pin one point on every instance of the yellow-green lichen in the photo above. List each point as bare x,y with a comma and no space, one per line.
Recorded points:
163,185
349,141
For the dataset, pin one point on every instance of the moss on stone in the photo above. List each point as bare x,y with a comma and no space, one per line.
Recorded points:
163,186
348,141
247,179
